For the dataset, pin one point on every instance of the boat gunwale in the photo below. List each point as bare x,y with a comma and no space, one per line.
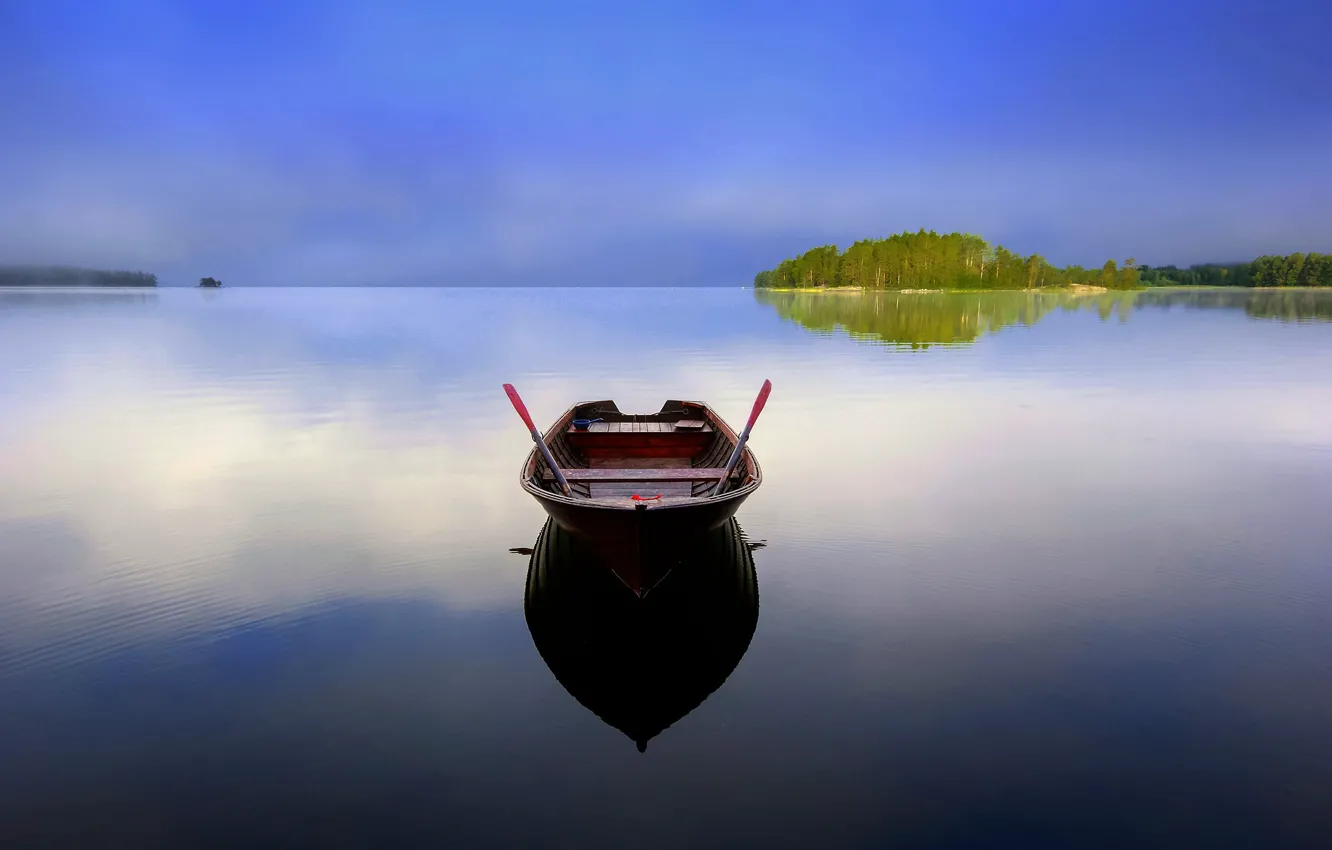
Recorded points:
606,504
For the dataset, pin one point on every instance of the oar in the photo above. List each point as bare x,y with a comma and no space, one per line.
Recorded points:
744,438
536,438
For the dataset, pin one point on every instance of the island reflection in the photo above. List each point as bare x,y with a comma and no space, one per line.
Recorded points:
922,319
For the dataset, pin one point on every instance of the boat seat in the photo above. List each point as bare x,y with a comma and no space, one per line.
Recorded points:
697,473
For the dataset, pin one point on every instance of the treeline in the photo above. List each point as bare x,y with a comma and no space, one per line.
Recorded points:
69,276
928,260
1294,270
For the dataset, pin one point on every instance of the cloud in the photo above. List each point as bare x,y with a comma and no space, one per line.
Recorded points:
352,144
334,217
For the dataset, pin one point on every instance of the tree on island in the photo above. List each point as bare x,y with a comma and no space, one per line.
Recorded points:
210,282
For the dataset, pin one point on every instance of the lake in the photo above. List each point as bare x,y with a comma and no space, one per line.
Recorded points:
1032,570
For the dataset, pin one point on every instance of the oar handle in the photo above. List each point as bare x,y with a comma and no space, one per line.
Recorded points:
744,438
536,438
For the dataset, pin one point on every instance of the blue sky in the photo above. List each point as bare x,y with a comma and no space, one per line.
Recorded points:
651,143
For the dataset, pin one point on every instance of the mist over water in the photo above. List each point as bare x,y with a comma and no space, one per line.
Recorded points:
1035,570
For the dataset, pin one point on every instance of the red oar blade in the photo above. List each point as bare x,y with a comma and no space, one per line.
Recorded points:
519,406
744,437
536,438
758,404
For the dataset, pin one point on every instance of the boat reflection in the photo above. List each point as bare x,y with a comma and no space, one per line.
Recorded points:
642,664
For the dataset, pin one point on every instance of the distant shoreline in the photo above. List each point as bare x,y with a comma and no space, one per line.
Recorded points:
87,287
73,277
837,290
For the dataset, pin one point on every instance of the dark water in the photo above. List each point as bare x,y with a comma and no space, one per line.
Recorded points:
1025,571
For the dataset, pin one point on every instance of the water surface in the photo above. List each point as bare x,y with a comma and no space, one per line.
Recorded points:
1032,570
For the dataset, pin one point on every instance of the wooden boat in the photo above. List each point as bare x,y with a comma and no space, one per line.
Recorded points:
640,482
642,664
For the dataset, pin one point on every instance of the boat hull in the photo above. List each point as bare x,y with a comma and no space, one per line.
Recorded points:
638,542
640,535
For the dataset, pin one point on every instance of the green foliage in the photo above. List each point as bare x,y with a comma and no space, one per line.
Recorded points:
1129,276
1294,270
69,276
1206,274
927,260
1109,275
209,282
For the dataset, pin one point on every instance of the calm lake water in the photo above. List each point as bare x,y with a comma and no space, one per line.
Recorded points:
1034,571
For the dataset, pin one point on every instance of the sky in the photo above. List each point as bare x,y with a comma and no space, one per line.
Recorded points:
675,143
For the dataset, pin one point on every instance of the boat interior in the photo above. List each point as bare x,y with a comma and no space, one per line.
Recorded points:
677,453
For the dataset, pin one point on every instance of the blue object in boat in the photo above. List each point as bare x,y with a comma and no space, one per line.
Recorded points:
581,424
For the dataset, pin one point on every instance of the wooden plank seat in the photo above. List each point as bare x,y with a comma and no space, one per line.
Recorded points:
632,427
624,441
696,473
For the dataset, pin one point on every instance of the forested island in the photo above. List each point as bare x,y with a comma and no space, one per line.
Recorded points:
929,260
71,276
